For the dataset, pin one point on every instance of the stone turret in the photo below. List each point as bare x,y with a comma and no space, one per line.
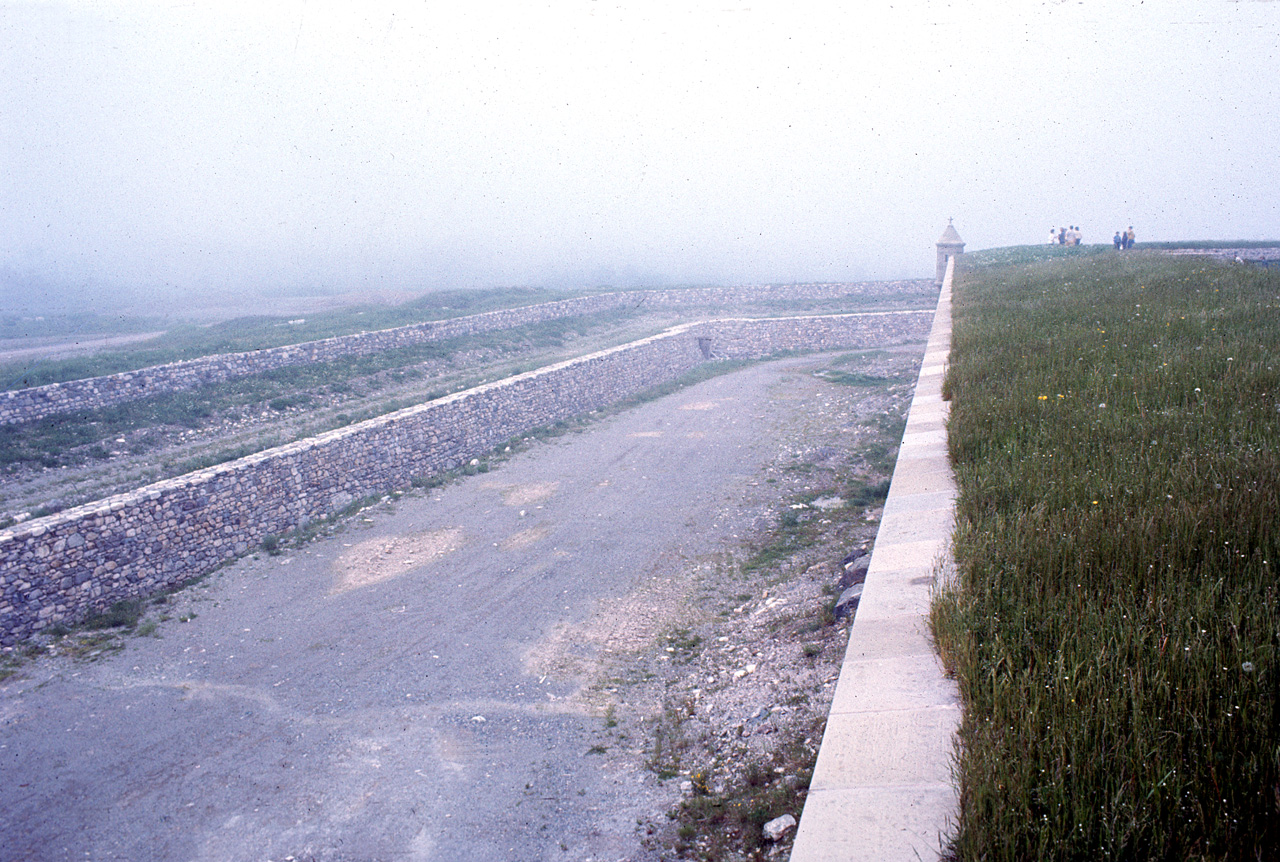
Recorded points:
950,244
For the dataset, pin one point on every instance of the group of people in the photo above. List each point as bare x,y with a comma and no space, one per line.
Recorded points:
1123,239
1065,236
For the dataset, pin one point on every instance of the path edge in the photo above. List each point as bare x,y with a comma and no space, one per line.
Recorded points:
883,787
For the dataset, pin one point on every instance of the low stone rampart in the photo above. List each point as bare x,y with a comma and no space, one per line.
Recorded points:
93,393
750,338
62,567
39,402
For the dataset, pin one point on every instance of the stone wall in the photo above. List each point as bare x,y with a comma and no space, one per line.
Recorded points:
743,338
39,402
62,567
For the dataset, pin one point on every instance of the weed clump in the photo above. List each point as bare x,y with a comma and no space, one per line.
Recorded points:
730,823
122,614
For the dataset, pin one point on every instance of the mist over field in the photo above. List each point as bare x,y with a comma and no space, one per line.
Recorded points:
165,159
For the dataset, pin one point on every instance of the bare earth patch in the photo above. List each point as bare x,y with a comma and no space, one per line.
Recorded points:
376,560
524,539
528,494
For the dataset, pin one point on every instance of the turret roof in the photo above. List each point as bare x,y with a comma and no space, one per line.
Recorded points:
949,236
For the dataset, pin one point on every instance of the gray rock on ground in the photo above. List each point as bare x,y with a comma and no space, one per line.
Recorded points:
848,601
855,572
778,826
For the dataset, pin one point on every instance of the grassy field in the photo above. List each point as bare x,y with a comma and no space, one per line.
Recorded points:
58,440
1115,622
189,341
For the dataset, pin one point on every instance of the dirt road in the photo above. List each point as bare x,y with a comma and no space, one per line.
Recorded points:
422,684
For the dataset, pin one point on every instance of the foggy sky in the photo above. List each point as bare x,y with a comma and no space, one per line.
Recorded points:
184,150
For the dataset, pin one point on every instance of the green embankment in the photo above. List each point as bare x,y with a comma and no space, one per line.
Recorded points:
189,341
1114,626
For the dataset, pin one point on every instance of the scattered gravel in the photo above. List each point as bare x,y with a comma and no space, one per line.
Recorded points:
583,654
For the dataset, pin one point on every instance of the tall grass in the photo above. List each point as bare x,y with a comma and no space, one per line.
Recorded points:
1115,624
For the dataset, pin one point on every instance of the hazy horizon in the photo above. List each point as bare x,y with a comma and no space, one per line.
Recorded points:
174,155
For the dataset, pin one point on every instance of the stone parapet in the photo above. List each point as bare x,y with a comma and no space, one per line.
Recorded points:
882,789
62,567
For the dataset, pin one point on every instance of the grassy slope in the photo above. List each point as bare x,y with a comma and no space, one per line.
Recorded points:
255,333
1115,628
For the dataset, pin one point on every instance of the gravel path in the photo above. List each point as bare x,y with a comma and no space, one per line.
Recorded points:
413,687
